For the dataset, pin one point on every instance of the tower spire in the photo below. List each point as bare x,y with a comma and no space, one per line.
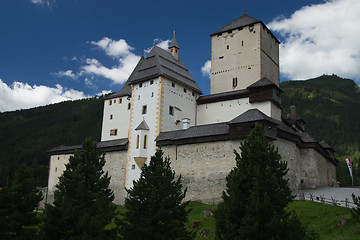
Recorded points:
174,47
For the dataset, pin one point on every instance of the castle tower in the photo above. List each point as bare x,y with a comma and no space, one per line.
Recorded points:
243,52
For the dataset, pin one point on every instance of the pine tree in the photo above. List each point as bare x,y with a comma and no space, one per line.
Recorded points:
154,209
256,195
17,204
82,204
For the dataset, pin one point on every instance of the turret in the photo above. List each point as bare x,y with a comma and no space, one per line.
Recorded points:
174,48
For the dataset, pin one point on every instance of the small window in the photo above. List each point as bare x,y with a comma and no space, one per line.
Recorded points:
139,97
151,82
137,141
129,106
144,109
152,94
114,100
221,57
133,166
251,28
58,158
184,90
56,169
227,46
173,84
193,93
171,110
140,85
113,132
110,102
176,50
111,116
120,100
145,142
234,82
242,43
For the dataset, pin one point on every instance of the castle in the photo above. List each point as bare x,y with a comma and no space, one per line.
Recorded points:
161,105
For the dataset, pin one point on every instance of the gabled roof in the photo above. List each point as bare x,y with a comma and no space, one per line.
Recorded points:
252,115
108,146
243,21
142,126
161,63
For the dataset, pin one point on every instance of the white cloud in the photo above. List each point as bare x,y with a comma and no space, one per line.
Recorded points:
164,44
113,48
321,39
206,69
41,2
118,74
68,73
103,92
23,96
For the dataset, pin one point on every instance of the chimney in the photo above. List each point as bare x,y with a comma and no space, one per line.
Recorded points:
293,113
186,123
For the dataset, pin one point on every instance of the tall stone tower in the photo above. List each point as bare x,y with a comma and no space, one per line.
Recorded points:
243,52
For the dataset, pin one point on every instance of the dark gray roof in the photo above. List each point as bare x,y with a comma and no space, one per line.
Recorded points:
252,115
306,138
264,82
325,145
110,145
223,96
161,63
142,126
243,21
173,43
126,89
195,132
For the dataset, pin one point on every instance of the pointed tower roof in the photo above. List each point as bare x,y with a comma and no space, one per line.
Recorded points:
142,126
174,42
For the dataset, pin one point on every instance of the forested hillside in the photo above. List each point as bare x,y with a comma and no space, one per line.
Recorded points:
330,106
26,135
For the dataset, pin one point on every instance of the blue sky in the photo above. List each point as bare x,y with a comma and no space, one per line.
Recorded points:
56,50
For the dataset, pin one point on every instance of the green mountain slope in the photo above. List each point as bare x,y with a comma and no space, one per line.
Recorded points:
26,135
330,106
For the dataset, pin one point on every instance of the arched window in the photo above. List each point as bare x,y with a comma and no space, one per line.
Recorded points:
137,141
145,141
234,83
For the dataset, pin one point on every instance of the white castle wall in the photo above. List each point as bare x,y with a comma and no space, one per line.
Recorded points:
183,103
148,95
225,111
115,165
116,116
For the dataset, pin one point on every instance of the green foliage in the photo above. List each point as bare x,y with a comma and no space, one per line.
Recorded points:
256,195
17,204
26,135
356,211
329,102
83,201
154,209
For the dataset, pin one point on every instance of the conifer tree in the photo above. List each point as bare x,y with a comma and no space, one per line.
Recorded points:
17,204
82,204
154,209
256,195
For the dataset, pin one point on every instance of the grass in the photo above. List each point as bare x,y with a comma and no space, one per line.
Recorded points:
316,217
